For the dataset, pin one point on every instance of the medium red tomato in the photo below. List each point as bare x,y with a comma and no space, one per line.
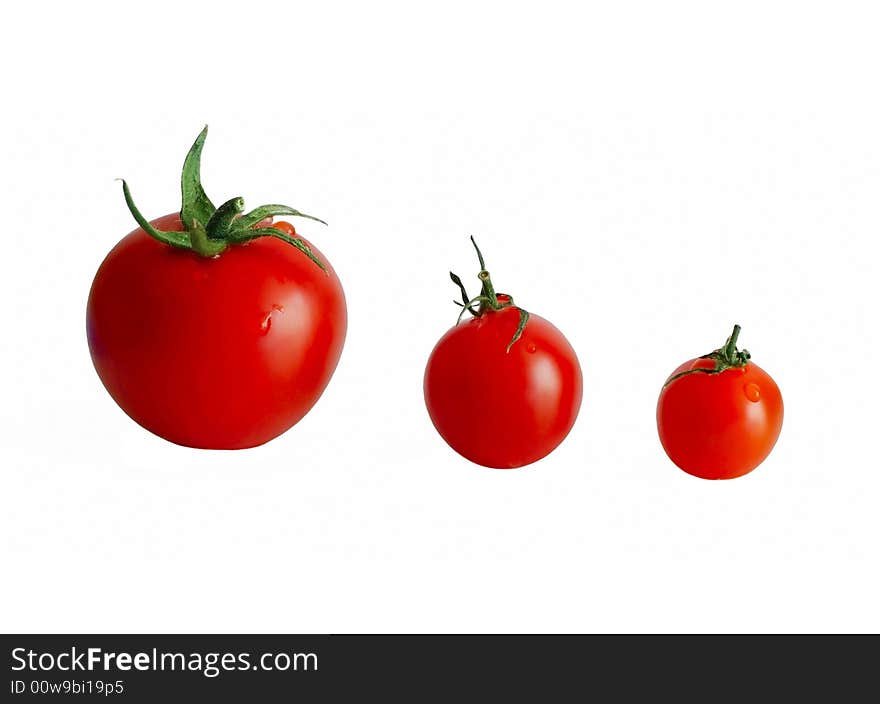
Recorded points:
213,328
719,415
504,388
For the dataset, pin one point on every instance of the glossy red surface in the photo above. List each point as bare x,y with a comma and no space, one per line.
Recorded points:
225,352
497,408
719,426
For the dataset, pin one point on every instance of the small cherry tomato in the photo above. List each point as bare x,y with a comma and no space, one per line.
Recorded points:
719,415
215,328
503,388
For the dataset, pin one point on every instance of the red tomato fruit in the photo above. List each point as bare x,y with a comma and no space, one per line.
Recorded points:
213,328
719,415
504,388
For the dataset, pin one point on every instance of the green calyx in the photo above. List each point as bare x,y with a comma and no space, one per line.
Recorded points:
209,230
726,357
488,299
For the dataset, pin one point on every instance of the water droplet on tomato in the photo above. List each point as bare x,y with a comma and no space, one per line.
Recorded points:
753,392
266,323
532,348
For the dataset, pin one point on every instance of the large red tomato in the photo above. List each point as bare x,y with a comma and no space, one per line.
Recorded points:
719,415
504,388
212,328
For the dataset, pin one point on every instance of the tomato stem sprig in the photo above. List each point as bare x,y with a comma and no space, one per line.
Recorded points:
209,230
726,357
488,300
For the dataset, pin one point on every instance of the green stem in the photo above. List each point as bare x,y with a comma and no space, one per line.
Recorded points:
479,253
730,348
464,294
220,224
488,289
207,230
175,239
724,358
195,204
523,319
488,299
469,307
688,372
202,244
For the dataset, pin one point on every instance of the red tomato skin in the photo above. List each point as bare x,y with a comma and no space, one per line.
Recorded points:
719,426
216,353
503,409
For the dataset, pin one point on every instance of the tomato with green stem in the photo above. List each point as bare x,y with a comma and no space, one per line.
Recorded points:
213,327
504,387
719,415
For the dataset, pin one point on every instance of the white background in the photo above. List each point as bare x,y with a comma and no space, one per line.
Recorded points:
642,174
